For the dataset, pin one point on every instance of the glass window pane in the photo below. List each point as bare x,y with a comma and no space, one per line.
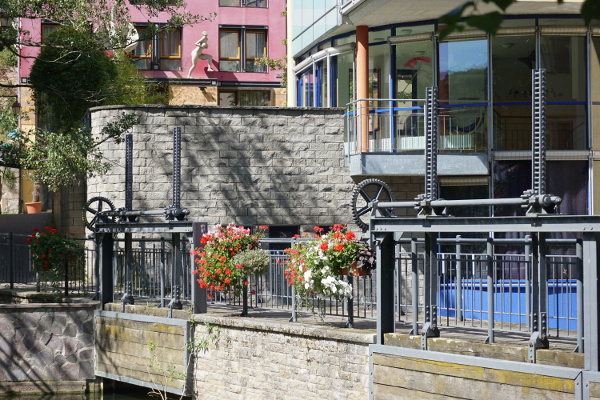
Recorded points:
463,70
463,82
256,3
229,66
566,91
255,44
229,44
227,99
514,58
414,71
229,3
257,98
170,43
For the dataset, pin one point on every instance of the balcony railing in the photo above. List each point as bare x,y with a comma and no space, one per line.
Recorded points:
393,125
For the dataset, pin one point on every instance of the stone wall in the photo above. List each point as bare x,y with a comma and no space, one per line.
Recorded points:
46,348
248,165
248,359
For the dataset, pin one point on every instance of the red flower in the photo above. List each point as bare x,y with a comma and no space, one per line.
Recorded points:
218,270
337,235
350,236
43,256
263,227
246,283
35,229
318,229
339,247
239,266
324,246
28,240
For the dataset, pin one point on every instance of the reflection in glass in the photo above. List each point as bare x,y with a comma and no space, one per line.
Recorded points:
513,58
566,91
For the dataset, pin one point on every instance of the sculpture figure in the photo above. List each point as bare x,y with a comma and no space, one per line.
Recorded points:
198,55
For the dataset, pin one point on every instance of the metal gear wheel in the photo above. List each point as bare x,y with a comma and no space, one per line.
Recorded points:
364,193
95,206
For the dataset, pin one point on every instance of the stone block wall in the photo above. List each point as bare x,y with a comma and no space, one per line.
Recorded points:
46,348
263,360
247,165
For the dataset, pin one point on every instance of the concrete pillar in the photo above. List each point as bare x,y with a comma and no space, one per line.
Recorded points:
362,84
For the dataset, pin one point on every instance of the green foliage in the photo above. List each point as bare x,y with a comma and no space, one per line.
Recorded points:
467,14
216,269
68,81
61,158
130,87
254,262
51,251
8,57
276,64
171,373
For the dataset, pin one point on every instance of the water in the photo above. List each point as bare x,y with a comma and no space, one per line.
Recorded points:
122,392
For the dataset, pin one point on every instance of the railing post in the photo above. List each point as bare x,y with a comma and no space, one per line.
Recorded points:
386,320
579,274
591,297
528,281
490,291
415,285
11,260
163,267
458,279
106,268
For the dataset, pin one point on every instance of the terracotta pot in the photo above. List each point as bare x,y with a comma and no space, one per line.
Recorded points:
353,270
34,207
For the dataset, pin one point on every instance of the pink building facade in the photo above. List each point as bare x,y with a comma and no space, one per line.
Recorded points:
241,32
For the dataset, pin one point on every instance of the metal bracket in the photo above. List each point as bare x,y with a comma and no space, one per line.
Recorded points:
429,331
127,296
175,303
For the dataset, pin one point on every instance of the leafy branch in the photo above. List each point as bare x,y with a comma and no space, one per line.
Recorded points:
468,14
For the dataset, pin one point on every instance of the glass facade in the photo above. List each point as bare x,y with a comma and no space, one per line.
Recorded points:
485,99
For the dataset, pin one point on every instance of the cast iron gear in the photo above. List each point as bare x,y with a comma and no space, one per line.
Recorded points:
95,206
364,193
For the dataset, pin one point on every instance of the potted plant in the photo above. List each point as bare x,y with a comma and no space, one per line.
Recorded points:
315,267
252,262
215,267
51,253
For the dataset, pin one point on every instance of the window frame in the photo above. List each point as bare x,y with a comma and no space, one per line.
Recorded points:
155,52
242,31
244,4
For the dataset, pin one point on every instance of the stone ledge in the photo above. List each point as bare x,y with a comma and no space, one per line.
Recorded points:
263,320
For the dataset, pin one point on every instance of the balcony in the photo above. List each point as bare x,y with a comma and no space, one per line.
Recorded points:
396,137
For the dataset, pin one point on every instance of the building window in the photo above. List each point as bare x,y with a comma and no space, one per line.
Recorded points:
244,98
243,3
47,29
160,51
240,50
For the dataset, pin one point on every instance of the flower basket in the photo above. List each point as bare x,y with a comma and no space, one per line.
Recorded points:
314,267
216,269
353,270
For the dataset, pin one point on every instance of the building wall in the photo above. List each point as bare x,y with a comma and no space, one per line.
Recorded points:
250,166
245,359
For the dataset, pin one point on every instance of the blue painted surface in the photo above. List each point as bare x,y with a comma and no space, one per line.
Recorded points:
510,301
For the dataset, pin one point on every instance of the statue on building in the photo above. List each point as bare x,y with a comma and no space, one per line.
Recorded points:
197,53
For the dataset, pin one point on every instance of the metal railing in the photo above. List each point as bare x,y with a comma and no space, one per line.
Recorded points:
397,125
462,290
16,267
